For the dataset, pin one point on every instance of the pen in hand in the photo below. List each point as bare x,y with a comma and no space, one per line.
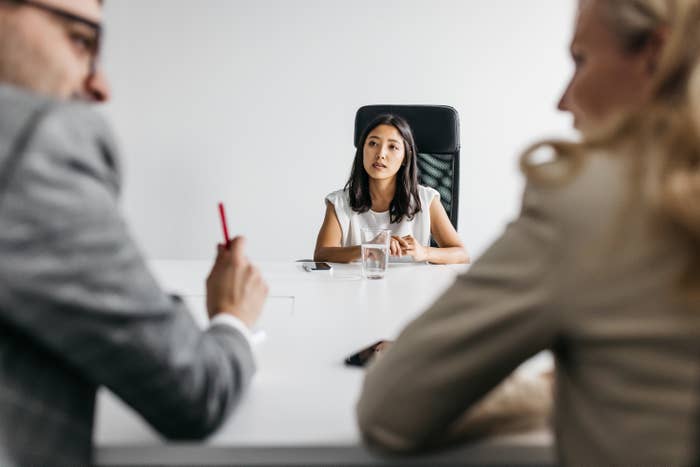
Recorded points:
224,226
257,335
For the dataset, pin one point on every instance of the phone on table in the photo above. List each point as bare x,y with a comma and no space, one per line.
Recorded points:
364,356
316,266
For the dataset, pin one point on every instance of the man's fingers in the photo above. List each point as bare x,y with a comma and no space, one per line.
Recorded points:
253,274
221,253
236,246
255,280
259,282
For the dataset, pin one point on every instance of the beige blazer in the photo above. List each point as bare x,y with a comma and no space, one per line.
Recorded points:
584,272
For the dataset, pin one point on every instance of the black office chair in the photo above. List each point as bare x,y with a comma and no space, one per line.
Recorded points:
436,131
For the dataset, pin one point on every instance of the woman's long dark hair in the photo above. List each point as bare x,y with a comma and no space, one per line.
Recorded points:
406,202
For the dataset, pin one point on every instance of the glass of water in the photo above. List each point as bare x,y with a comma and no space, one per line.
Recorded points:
375,252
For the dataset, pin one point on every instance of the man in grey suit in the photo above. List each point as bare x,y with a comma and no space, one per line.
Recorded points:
78,306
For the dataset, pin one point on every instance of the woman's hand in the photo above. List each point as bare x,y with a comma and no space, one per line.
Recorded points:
414,249
397,246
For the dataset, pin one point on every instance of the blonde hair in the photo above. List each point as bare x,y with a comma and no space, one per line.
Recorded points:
663,137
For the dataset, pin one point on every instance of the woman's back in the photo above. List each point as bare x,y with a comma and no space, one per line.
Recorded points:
628,368
587,272
603,267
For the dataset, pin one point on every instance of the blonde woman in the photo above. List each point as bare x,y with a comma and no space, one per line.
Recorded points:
602,267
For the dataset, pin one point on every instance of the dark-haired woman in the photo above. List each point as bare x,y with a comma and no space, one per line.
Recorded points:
383,191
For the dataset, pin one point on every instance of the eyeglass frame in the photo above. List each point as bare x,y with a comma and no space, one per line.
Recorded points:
67,15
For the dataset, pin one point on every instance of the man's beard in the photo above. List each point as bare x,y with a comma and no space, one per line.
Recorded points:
25,65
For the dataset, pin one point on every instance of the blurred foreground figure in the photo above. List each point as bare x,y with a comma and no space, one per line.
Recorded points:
78,307
602,266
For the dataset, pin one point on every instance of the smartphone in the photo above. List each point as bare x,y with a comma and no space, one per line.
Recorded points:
317,266
364,356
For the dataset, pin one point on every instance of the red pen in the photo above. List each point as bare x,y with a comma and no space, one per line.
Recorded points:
224,226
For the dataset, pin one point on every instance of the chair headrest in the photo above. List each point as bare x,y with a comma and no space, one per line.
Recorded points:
435,127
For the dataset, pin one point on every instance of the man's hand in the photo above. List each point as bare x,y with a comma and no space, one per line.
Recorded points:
234,285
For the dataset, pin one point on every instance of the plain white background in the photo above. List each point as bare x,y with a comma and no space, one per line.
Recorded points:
252,102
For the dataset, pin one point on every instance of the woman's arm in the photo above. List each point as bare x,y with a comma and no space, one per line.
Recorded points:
451,249
501,312
328,242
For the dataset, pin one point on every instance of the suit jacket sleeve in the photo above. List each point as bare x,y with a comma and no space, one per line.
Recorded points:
72,280
492,318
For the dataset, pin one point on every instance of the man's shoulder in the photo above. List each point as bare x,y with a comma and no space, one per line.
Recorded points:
17,106
71,118
41,137
20,99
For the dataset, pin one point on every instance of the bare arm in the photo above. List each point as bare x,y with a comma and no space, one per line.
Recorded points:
328,242
451,249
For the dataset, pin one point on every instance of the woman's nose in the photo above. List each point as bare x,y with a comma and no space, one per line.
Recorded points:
563,104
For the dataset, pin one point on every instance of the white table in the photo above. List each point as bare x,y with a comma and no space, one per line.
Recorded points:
300,406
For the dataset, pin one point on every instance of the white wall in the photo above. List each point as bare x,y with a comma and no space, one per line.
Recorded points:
252,102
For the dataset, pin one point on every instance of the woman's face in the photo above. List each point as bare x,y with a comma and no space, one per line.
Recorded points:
383,152
608,80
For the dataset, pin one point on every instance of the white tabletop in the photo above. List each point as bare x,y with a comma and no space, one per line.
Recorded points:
300,405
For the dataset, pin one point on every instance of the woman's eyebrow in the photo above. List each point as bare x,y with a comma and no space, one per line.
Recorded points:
389,139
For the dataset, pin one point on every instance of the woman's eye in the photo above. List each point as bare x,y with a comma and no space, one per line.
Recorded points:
371,144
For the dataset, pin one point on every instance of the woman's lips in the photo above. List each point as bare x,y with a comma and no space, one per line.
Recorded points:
377,165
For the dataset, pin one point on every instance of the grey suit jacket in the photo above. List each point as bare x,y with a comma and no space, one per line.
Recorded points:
585,272
78,306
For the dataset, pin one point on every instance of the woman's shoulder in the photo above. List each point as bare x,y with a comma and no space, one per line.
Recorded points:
427,194
338,198
581,195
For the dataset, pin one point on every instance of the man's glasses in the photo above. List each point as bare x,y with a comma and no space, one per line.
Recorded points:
89,42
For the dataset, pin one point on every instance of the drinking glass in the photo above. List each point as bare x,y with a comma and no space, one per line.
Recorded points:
375,252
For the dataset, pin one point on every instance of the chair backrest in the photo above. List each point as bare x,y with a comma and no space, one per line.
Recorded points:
436,131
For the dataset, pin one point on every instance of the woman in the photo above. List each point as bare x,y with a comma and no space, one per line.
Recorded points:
602,267
383,191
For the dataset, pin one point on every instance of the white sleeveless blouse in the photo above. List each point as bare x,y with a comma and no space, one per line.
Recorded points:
352,222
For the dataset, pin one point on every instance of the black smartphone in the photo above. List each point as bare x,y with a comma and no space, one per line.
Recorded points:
317,266
364,356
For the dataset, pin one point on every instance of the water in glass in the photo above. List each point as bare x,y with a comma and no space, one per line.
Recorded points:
374,260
